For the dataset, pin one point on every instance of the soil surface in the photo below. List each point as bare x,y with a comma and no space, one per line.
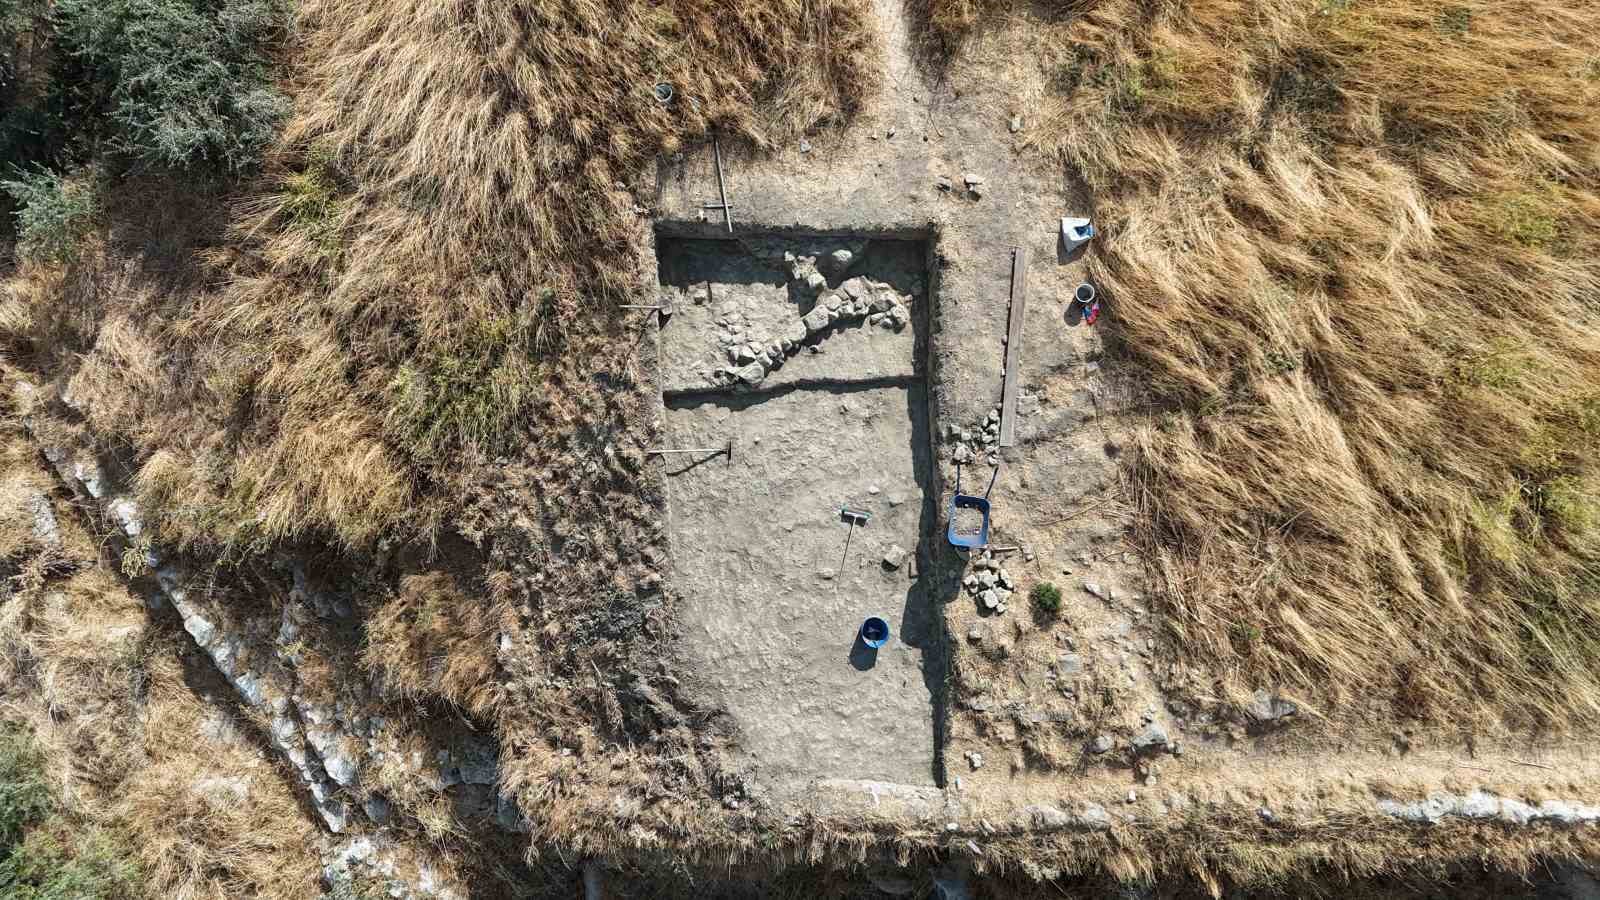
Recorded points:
775,581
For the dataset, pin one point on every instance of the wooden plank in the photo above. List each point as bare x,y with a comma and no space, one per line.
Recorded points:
1008,391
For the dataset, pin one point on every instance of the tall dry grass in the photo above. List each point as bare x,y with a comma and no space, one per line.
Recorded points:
128,745
1353,248
429,279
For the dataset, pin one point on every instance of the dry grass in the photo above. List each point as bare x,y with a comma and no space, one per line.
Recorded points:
126,746
1352,246
431,639
428,276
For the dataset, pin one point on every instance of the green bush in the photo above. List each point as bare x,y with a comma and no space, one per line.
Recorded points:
1046,598
41,856
47,867
179,84
24,797
52,215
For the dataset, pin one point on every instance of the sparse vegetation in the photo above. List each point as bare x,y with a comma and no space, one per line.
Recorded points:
24,797
43,854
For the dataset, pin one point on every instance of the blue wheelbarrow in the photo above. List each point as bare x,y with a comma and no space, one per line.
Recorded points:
969,515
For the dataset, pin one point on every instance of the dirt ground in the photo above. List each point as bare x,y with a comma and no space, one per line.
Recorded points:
905,170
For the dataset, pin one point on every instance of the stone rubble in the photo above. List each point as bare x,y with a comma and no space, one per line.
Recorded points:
980,441
895,557
857,300
989,584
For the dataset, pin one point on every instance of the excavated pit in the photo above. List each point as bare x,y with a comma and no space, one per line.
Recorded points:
812,361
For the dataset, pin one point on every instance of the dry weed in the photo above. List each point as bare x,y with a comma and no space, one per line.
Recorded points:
1352,246
431,638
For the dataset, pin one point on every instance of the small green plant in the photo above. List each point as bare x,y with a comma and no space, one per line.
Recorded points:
135,561
1046,598
1528,218
1571,505
1455,20
1282,362
311,200
53,214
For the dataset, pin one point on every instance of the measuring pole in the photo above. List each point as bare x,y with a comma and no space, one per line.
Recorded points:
722,188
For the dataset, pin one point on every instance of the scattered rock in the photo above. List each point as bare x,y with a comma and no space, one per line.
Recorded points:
975,759
945,184
1043,816
972,180
975,634
1069,665
45,528
377,809
895,557
1094,589
1264,708
1153,737
805,146
990,599
1102,743
825,574
899,316
1015,124
841,259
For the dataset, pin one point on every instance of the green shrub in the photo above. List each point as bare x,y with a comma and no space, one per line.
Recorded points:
52,215
47,867
1046,598
41,856
180,84
24,797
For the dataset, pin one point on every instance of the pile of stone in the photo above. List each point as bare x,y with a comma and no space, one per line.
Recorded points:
978,440
857,300
989,584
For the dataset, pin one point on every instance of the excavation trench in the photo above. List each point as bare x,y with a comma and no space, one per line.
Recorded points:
833,415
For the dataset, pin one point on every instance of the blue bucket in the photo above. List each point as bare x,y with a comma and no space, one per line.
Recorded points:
874,632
